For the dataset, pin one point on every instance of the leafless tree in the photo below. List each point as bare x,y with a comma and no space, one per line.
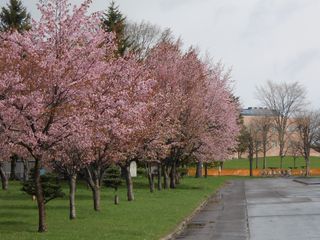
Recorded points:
316,143
253,144
251,148
263,126
308,128
285,99
144,36
293,150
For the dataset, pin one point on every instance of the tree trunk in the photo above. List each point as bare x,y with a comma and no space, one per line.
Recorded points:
129,184
307,167
40,198
165,177
159,177
281,155
264,160
251,166
294,161
173,175
178,177
257,159
26,170
281,147
116,199
93,178
4,179
281,161
151,182
72,193
96,198
13,167
199,169
250,155
150,179
206,170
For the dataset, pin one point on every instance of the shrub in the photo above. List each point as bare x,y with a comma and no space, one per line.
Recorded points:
182,171
113,180
50,186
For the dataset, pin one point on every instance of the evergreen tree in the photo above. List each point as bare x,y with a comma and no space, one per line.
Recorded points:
50,185
113,180
14,17
114,21
243,141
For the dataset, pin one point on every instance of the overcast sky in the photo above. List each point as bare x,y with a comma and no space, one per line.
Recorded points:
260,39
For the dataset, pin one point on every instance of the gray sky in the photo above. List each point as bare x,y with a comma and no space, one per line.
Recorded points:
260,39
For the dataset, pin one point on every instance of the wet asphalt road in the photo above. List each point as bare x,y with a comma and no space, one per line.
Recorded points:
260,209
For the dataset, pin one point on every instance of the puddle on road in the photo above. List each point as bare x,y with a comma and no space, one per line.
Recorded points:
196,225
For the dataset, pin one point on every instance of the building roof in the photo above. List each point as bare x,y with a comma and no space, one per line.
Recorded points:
255,111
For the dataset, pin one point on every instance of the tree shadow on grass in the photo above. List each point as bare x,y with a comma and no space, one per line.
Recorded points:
16,226
57,207
81,196
182,186
15,214
187,187
15,197
141,185
34,207
21,207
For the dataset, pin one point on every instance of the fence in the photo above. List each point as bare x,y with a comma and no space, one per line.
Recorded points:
257,172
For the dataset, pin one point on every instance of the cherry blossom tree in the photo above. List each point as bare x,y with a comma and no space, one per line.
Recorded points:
46,75
67,101
199,103
70,156
117,104
166,63
194,120
220,129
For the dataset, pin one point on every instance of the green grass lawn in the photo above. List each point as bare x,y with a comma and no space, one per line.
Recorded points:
150,216
271,162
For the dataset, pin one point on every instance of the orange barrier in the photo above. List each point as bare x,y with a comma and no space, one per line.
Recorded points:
256,172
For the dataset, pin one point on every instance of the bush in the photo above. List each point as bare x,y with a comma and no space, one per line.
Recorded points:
182,171
113,178
50,186
141,172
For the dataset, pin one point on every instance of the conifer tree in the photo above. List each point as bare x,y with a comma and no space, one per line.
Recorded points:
14,17
113,180
114,21
50,185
